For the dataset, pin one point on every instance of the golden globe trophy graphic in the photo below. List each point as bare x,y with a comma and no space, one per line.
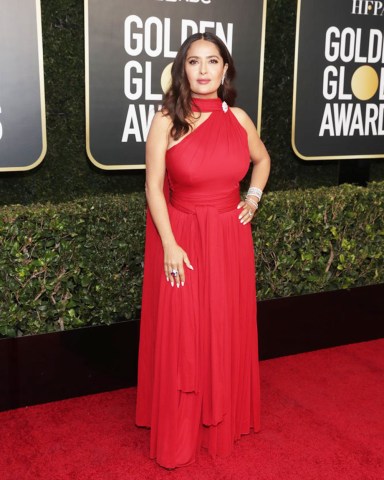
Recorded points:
365,83
166,79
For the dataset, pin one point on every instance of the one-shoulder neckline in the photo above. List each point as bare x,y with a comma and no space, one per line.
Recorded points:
184,138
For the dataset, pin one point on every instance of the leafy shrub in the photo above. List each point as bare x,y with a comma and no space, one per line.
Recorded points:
323,239
80,263
70,265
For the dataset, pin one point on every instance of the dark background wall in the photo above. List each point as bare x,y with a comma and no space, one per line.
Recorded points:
66,173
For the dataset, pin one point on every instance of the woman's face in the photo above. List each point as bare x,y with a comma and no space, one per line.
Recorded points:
205,68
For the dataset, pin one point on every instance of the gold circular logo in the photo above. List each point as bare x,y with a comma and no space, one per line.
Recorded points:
166,78
365,82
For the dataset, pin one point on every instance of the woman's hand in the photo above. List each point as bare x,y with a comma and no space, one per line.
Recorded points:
174,259
247,213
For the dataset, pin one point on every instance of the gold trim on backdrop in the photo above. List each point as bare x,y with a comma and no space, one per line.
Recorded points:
296,151
42,99
87,116
261,67
295,80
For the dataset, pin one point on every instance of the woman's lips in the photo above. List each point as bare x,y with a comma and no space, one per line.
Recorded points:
203,81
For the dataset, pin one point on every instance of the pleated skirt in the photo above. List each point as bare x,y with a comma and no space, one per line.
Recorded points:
198,378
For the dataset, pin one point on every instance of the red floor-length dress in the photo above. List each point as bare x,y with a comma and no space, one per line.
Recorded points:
198,378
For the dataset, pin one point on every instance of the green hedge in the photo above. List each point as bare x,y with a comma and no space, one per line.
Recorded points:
80,263
323,239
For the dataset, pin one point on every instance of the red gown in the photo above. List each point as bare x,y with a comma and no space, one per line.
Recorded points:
198,377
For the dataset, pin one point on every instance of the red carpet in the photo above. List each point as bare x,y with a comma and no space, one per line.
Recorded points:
322,418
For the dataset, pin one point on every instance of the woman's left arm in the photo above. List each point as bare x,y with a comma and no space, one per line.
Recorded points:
261,165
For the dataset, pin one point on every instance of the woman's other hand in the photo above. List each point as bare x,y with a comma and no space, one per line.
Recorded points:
174,259
247,213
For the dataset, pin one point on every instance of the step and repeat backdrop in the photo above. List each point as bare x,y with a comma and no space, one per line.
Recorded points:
130,47
338,105
338,98
22,104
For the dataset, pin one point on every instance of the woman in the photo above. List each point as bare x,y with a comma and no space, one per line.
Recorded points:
198,379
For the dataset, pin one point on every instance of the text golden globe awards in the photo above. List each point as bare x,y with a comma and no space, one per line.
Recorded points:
339,72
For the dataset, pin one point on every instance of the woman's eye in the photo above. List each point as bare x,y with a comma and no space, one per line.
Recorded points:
214,60
192,62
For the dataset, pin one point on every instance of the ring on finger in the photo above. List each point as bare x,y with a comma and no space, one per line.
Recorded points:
174,273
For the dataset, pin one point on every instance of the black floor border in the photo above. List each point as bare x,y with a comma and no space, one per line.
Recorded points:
48,367
309,322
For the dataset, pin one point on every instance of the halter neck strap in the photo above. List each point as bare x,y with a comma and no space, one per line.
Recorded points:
206,104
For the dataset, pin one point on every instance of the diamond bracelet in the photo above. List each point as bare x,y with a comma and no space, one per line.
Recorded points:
256,192
252,202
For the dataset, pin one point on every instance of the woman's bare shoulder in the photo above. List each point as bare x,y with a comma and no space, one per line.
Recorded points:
160,128
241,115
244,119
161,120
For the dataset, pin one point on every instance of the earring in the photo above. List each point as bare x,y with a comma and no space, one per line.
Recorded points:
222,79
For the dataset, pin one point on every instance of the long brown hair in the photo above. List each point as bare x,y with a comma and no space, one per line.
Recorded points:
177,100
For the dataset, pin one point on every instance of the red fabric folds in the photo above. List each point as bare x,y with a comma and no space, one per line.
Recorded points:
198,381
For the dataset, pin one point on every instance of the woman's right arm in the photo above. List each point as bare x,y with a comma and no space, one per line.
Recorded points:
156,147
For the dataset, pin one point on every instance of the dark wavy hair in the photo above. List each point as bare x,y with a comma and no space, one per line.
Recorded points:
177,100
